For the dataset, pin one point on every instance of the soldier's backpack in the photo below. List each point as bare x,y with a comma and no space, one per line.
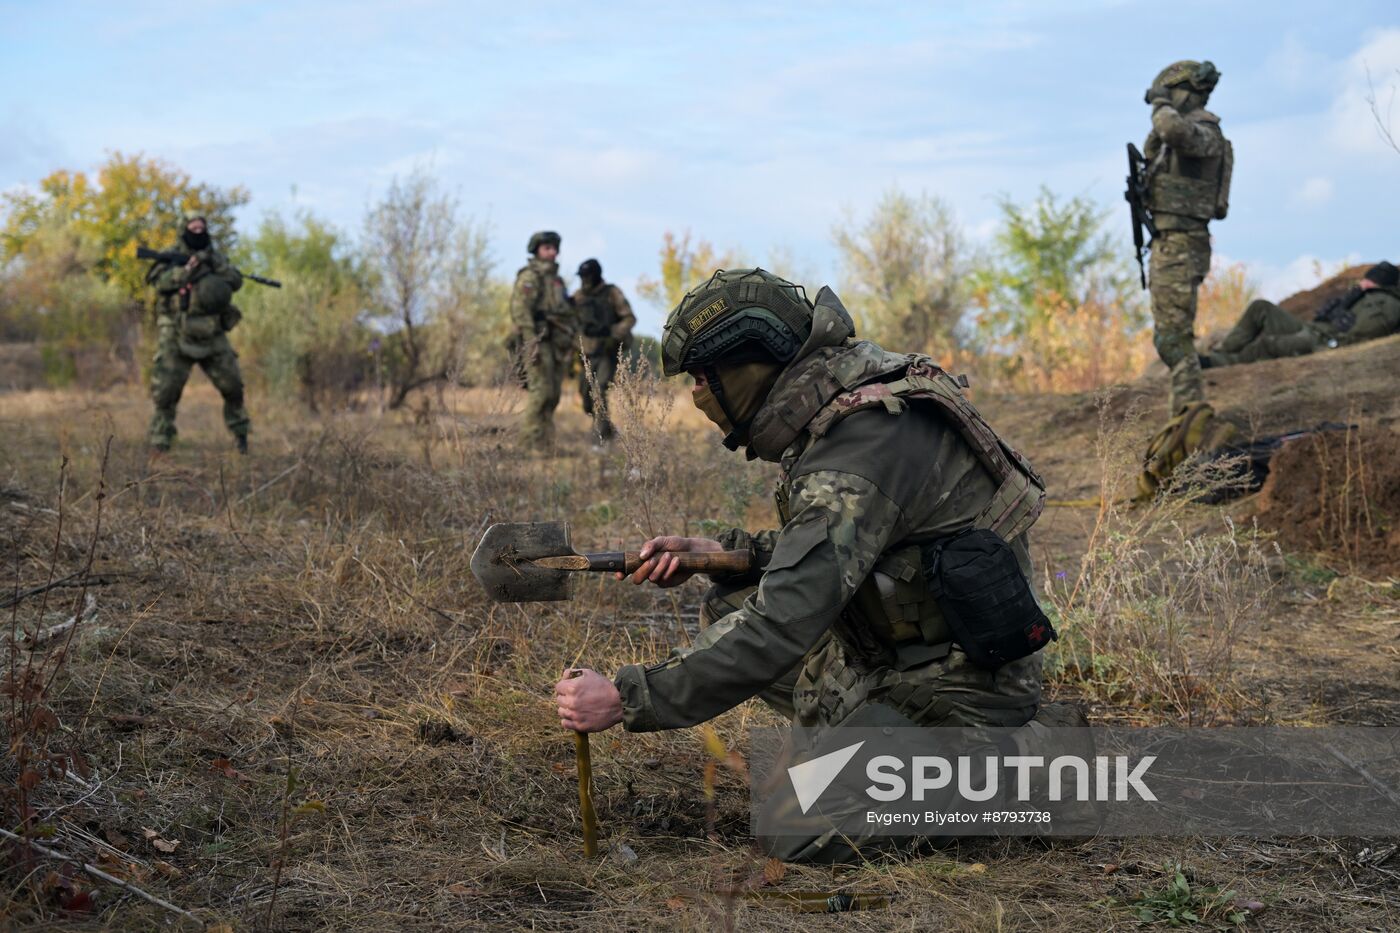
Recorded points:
1194,429
1222,182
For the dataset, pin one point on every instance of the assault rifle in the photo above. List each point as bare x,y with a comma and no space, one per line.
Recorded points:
1136,196
179,259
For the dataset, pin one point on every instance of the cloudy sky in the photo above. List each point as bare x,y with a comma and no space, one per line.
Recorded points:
755,125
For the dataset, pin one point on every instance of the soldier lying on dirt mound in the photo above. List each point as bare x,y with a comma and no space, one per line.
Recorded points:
1368,311
885,465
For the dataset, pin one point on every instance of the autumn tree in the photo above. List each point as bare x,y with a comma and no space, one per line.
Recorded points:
309,334
68,249
473,309
407,241
683,266
1058,308
904,272
1222,298
131,201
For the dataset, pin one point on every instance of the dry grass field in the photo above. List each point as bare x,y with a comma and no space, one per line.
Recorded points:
287,705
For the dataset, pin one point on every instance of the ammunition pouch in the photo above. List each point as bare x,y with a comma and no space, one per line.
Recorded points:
985,599
229,317
1187,197
200,327
895,606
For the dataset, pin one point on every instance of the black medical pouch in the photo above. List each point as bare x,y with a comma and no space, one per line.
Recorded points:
985,599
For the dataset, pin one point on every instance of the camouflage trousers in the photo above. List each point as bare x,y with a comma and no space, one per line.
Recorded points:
546,365
604,369
1180,261
828,690
172,370
1265,332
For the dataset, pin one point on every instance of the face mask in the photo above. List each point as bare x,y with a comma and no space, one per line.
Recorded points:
196,241
744,387
711,408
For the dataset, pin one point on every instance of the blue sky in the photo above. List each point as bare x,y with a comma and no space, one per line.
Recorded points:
754,125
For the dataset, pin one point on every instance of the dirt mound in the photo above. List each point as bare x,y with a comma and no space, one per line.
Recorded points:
1304,304
1338,494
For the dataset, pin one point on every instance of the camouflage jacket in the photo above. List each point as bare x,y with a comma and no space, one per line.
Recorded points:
605,318
539,304
1189,163
1375,314
178,288
875,482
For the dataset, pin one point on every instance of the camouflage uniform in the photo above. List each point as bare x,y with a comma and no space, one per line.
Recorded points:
834,626
1267,332
193,317
607,321
548,333
1189,163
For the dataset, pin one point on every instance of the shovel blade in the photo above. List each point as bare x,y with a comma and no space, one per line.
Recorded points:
504,561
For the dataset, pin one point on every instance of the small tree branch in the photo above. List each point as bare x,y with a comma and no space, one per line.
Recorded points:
96,872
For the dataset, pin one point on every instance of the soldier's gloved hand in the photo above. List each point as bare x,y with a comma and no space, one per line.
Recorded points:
618,332
1158,95
587,701
660,566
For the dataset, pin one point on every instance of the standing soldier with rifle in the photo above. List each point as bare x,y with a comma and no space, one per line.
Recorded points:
194,313
1182,184
545,336
607,322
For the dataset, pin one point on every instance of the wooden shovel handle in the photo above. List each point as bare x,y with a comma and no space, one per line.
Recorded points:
697,561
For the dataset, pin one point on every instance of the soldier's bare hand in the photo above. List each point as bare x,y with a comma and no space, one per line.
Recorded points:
660,564
587,701
194,261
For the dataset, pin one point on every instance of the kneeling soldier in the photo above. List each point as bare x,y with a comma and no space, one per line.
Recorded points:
883,458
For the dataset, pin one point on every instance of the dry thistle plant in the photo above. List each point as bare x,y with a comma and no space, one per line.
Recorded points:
641,412
1164,592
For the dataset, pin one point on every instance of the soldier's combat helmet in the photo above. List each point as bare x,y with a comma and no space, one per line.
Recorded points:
540,238
590,268
1201,77
736,316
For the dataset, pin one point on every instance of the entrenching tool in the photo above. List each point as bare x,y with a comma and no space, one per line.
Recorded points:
523,562
532,562
583,759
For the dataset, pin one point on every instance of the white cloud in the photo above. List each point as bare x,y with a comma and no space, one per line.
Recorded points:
1371,74
1295,66
1315,191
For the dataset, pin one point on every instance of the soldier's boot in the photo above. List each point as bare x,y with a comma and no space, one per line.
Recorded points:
1042,736
241,442
162,433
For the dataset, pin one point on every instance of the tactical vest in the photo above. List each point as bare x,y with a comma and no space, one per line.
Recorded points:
596,310
892,619
553,315
1190,186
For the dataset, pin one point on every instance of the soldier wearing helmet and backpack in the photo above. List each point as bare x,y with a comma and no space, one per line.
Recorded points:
1189,164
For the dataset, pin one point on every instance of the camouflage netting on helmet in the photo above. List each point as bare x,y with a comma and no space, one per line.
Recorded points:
736,316
1200,76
